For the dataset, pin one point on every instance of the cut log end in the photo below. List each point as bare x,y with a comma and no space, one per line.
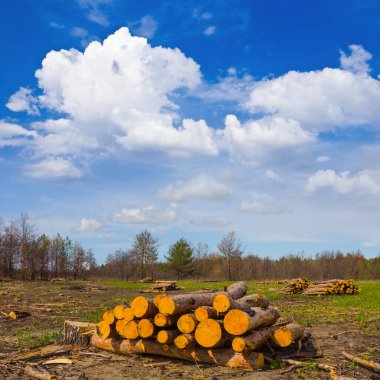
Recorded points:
128,314
145,328
184,341
238,344
236,322
204,312
130,330
286,335
109,317
208,333
221,303
77,333
167,336
120,324
139,306
166,305
187,323
103,329
118,311
157,299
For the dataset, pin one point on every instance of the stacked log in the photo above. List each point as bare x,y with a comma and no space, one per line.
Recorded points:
333,287
297,285
162,286
224,328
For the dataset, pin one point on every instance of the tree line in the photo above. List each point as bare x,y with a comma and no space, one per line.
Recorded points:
26,255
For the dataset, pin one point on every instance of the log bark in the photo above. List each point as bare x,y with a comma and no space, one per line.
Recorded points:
146,328
253,341
202,313
210,333
143,307
224,357
18,314
184,341
167,336
77,333
162,320
286,335
238,322
187,323
237,290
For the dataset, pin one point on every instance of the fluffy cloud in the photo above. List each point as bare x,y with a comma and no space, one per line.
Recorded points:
147,27
202,187
89,224
149,214
322,159
23,100
357,61
12,134
345,182
53,168
256,140
94,13
325,99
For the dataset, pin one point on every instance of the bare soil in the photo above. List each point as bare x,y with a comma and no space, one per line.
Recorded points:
52,303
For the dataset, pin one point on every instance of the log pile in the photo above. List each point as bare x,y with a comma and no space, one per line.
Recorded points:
333,287
295,286
162,286
224,328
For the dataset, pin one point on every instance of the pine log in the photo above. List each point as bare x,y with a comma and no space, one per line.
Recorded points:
210,333
104,330
184,341
185,303
222,302
202,313
162,320
118,311
128,314
364,363
253,341
167,336
238,322
286,335
224,357
143,307
187,323
130,330
18,314
157,299
109,317
146,328
119,326
77,333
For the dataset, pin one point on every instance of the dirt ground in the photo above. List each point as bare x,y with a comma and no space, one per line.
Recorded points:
52,303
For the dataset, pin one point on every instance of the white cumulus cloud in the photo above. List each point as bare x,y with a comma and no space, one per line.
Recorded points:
357,60
201,187
89,224
345,182
148,214
53,168
147,27
23,100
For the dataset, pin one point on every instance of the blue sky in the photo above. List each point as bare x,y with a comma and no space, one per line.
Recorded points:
192,119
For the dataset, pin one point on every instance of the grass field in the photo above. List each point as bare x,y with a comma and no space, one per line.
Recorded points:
357,317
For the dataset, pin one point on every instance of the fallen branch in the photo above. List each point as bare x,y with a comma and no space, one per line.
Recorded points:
364,363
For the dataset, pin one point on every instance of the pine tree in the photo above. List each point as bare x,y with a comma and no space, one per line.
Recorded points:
145,251
180,258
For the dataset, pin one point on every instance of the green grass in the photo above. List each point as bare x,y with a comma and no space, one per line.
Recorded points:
26,339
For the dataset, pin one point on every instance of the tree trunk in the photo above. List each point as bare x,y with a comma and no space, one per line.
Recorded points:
210,333
238,322
222,302
143,307
146,328
167,336
162,320
286,335
253,341
224,357
202,313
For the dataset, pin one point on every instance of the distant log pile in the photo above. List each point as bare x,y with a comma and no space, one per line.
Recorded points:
162,286
302,285
333,287
223,328
295,286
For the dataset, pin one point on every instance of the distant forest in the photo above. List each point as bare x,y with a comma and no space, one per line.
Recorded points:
26,255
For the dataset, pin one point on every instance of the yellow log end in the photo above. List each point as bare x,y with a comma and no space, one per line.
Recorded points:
236,322
238,344
118,311
145,328
120,326
283,337
109,317
201,314
186,323
221,303
157,299
103,329
128,314
166,305
160,320
181,341
162,336
139,306
130,330
208,333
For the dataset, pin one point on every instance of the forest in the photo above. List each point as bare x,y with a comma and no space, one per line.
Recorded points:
27,255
